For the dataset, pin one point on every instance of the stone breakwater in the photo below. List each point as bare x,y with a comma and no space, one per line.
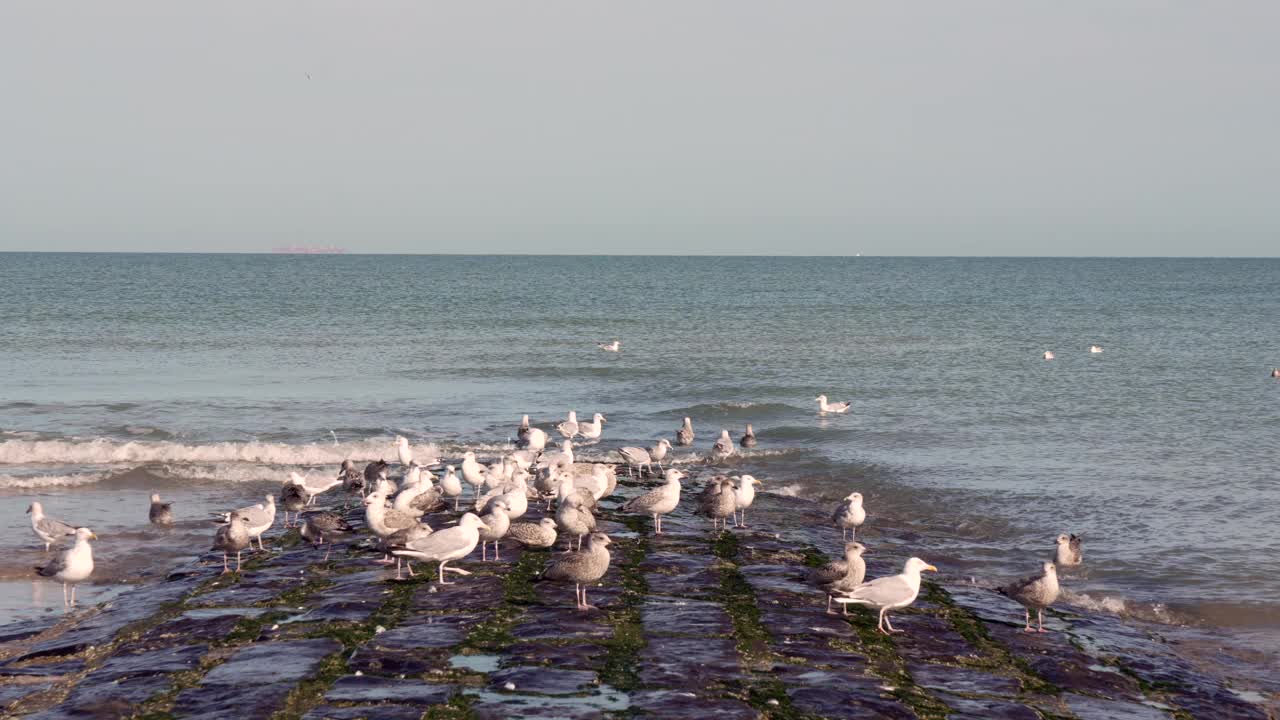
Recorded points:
690,624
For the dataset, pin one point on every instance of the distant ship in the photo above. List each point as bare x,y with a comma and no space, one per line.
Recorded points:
299,250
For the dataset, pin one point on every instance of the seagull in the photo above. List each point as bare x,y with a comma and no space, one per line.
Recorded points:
261,517
49,530
635,457
684,436
292,499
849,515
745,494
523,430
582,567
451,486
161,512
1067,552
352,479
232,537
562,459
569,428
1275,372
614,346
403,451
535,439
473,472
319,523
718,501
1037,591
658,502
840,576
723,448
1092,349
591,430
372,472
74,566
384,521
496,523
541,534
444,546
658,452
313,487
826,407
889,593
574,519
1048,355
749,439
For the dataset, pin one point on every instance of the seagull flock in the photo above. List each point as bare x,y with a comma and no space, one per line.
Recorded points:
500,495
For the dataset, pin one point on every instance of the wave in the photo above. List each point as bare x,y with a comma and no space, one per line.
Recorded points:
27,482
142,452
743,411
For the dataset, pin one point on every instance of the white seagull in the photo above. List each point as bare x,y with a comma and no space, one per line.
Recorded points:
614,346
826,407
890,593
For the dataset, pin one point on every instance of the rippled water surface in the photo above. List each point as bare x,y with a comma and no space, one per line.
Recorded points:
207,377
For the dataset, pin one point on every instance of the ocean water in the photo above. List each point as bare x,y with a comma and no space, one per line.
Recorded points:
208,377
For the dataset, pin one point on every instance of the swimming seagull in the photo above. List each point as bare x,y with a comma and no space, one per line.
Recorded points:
658,502
569,428
635,457
582,567
1048,355
591,430
233,537
723,448
658,452
749,439
1095,348
849,515
541,534
826,407
1275,372
1035,592
49,530
161,513
745,494
403,451
444,546
614,346
889,593
841,576
318,524
73,566
684,436
1067,551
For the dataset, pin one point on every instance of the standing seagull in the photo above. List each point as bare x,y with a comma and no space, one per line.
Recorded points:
261,517
745,493
444,546
574,518
535,440
161,512
318,524
496,523
541,534
718,502
233,537
748,440
841,576
313,487
353,480
473,472
723,447
890,593
582,567
591,430
403,451
1067,552
49,530
523,430
1038,592
684,436
658,502
826,407
569,428
849,515
73,566
451,486
292,499
614,346
635,457
658,452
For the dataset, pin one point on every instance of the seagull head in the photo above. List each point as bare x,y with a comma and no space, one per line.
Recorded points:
85,534
854,549
854,498
1064,539
1050,569
915,566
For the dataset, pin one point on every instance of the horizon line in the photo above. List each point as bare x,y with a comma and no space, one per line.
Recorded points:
346,253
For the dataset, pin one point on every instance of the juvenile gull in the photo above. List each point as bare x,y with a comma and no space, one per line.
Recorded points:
634,457
444,546
404,536
658,502
826,407
49,530
403,451
684,436
353,481
261,517
161,512
658,453
841,575
73,566
233,537
574,519
319,524
745,493
496,523
451,486
849,515
592,430
723,447
541,534
614,346
717,501
1067,551
889,593
292,500
749,439
1035,592
582,567
372,472
569,428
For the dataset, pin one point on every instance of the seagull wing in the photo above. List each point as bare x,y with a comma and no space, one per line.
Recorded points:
54,527
881,592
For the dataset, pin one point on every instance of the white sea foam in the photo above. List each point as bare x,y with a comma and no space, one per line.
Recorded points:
114,452
25,482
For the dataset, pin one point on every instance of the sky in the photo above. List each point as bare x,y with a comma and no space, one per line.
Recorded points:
981,127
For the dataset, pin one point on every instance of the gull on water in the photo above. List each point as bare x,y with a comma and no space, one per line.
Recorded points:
745,494
1067,551
582,567
658,452
569,427
318,524
161,513
1036,592
444,546
849,515
841,576
353,481
1048,355
636,458
724,447
889,593
592,430
830,407
614,346
658,502
749,438
496,523
1095,348
541,534
292,500
684,436
403,451
232,537
718,501
1275,372
74,566
49,530
451,486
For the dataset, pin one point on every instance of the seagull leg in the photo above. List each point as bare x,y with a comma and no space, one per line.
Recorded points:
225,569
410,566
828,604
237,561
496,550
442,580
1028,627
484,549
65,601
327,552
888,624
1039,614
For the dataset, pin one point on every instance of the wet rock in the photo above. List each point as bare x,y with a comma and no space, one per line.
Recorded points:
837,703
337,610
112,698
155,662
684,663
672,705
474,594
197,626
44,669
364,712
562,622
544,680
1090,707
14,632
504,706
666,615
962,680
255,681
572,656
927,638
819,653
988,709
371,690
9,693
804,621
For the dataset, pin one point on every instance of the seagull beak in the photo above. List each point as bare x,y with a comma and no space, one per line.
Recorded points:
930,567
482,525
93,536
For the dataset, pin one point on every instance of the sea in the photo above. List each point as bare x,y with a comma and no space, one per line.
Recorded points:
207,378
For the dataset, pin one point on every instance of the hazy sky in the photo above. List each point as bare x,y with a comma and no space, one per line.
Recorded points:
935,128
